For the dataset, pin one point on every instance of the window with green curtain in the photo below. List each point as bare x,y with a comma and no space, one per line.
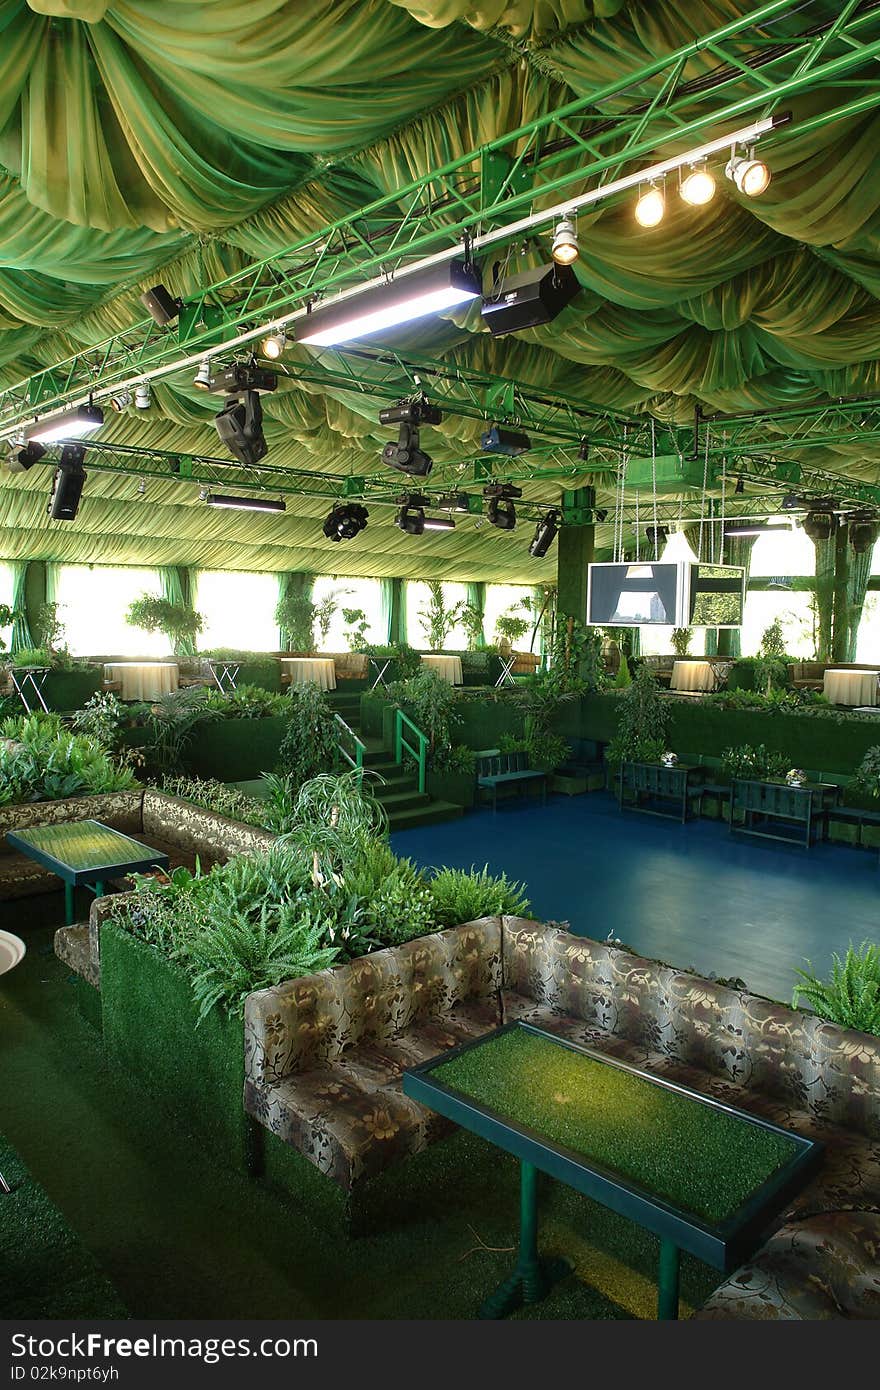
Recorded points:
351,593
21,635
238,608
393,619
93,601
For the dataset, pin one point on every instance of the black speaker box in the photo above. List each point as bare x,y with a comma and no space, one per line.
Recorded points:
533,297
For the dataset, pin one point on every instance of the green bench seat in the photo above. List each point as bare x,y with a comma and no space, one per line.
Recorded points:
508,769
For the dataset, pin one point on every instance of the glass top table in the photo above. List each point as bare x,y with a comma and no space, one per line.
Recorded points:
703,1176
85,852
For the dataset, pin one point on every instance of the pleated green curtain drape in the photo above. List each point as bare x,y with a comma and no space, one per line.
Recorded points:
825,571
858,574
177,585
393,596
21,633
293,584
476,597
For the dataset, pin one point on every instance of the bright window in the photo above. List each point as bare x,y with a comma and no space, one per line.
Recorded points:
92,603
500,597
238,609
417,597
365,594
794,611
6,597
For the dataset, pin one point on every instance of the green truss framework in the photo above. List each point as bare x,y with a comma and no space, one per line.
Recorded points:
572,148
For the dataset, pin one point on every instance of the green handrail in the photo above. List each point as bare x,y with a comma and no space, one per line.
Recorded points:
400,744
356,760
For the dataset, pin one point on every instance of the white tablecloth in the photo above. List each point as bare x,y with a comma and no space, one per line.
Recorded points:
318,670
692,675
449,667
850,687
143,680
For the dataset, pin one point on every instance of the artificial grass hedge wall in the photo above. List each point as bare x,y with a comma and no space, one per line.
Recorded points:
193,1071
815,742
235,750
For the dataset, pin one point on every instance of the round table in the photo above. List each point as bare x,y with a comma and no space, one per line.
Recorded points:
449,667
12,950
314,670
143,680
851,687
692,675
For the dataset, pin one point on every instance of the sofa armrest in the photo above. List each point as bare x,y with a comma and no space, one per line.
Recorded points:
293,1026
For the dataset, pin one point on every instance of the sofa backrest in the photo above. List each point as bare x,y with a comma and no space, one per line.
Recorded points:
313,1020
832,1072
201,832
121,810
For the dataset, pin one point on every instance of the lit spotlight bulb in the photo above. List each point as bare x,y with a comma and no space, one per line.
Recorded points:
202,378
651,207
565,243
698,187
751,176
274,345
143,395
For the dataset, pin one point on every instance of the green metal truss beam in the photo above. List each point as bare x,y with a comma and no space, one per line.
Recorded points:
572,148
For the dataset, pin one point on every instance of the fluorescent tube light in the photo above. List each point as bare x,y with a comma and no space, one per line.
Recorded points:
246,504
439,523
73,424
427,291
755,528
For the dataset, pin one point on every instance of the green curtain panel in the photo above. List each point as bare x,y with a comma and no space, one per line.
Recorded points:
394,610
21,633
824,596
176,586
476,597
858,574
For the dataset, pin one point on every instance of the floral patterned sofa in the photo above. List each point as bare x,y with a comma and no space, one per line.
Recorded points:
324,1054
184,831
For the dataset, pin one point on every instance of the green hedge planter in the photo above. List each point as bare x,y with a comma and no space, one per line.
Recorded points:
235,750
457,787
266,674
194,1074
70,690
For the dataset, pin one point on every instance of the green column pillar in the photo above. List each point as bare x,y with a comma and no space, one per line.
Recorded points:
575,547
34,594
840,618
397,613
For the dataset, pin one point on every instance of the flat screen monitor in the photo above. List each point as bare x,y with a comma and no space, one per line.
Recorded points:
640,594
716,595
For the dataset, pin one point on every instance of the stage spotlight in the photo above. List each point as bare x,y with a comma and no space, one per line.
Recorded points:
862,534
751,176
501,513
240,427
400,300
698,186
417,412
23,459
406,456
245,504
243,376
820,526
657,536
651,207
345,521
545,534
529,298
584,450
274,345
143,395
67,484
120,401
740,486
203,378
498,440
162,307
410,519
565,243
454,502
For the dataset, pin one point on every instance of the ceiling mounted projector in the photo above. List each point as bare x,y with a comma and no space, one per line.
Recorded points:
529,299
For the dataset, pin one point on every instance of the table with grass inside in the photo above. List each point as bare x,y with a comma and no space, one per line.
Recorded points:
85,852
702,1176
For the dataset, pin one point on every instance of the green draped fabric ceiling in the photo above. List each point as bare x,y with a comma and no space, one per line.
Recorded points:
192,136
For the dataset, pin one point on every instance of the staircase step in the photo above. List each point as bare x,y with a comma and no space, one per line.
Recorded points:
432,814
405,800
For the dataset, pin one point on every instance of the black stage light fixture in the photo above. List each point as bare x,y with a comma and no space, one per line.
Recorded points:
454,502
345,521
740,486
25,458
417,412
656,536
545,534
162,307
602,514
67,484
240,427
584,450
863,532
406,456
245,504
501,513
530,298
243,376
499,440
410,519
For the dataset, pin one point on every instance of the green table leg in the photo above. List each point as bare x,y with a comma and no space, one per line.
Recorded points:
99,888
69,914
667,1281
532,1278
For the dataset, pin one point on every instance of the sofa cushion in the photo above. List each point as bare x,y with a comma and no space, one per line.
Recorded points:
825,1267
197,831
351,1118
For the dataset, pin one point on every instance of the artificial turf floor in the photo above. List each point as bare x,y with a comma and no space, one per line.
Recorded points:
180,1236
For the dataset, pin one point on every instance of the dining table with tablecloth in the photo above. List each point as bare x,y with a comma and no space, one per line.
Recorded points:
143,680
447,667
851,687
310,670
692,675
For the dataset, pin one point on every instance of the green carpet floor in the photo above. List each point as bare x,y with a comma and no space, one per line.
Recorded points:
179,1236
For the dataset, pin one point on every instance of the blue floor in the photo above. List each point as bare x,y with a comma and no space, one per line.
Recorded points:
691,895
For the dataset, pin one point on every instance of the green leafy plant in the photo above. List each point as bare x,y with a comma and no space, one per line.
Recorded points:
176,621
852,996
681,640
576,665
454,757
436,619
310,744
42,761
216,796
295,615
511,626
867,774
430,702
471,619
356,628
171,722
247,702
32,656
643,726
623,677
325,611
7,618
461,895
756,763
102,718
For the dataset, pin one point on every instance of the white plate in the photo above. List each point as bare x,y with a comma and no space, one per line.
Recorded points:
12,950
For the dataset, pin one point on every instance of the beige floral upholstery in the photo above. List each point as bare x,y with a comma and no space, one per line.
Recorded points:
324,1054
827,1266
197,831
